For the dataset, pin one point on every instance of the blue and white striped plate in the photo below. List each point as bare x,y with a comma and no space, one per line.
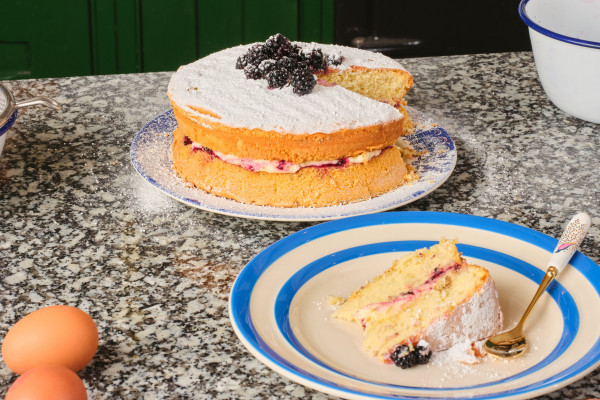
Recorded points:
280,311
151,157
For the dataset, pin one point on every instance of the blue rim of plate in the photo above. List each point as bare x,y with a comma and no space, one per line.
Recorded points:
241,293
7,125
435,166
563,38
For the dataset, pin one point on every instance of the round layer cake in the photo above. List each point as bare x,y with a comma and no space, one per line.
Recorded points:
241,139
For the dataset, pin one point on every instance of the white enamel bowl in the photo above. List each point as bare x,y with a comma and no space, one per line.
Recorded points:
565,39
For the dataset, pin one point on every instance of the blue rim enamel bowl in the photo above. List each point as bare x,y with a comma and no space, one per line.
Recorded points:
565,39
8,114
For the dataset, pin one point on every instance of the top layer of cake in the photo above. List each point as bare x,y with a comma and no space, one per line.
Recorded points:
212,89
405,275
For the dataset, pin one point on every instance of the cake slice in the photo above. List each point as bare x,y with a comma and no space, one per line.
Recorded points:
429,300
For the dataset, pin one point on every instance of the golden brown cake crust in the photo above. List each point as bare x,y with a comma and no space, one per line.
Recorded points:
309,187
269,145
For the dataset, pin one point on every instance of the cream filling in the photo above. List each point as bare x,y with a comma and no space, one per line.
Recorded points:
285,167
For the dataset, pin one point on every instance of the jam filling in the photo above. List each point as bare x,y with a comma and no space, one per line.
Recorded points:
280,166
406,296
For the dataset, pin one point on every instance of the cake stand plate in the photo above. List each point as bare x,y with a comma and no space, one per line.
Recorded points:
151,157
280,311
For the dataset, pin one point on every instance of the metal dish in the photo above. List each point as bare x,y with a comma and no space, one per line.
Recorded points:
9,107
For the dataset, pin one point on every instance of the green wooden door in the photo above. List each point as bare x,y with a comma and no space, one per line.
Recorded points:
78,37
44,38
196,28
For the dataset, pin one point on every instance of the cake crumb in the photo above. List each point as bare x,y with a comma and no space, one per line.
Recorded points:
335,300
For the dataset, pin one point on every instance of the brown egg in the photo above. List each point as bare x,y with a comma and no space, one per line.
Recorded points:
49,382
55,335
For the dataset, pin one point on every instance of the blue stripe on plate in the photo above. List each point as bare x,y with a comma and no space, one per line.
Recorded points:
242,288
560,295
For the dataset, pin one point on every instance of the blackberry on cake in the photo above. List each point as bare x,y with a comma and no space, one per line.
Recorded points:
252,72
279,45
258,53
321,135
303,81
429,300
315,59
266,66
241,62
278,78
287,63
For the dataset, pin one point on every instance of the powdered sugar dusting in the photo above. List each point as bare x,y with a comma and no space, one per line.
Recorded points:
476,319
213,83
464,352
355,57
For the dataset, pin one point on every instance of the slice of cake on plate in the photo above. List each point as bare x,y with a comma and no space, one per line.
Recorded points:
291,124
428,301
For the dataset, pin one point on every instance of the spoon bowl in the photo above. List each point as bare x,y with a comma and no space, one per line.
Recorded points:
507,344
513,343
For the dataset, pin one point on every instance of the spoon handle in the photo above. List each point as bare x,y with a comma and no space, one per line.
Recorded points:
569,241
548,278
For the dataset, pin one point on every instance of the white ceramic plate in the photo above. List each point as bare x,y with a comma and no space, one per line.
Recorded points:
279,308
151,157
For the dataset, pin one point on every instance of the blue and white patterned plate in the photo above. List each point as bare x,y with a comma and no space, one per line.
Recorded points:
280,311
151,156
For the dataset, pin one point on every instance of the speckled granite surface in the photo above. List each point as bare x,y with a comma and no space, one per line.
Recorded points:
78,226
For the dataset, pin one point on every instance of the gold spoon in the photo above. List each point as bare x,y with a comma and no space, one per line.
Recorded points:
512,343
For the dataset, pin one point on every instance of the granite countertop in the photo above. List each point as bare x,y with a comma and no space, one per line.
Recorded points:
78,226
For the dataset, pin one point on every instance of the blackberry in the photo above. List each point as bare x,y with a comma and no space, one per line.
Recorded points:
287,63
303,81
284,52
252,72
315,59
423,354
277,78
403,357
267,66
242,61
279,45
258,53
335,58
297,49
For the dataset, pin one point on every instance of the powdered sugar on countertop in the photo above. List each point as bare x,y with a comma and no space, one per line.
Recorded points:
213,83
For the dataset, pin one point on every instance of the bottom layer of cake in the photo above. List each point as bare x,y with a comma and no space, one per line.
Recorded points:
308,187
